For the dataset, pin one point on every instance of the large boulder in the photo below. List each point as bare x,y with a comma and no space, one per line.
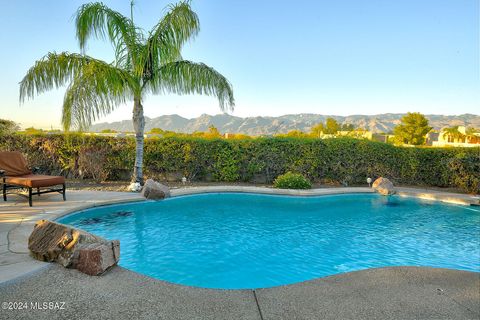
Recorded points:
155,191
55,242
383,186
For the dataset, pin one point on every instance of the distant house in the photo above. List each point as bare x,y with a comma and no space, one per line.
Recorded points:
454,138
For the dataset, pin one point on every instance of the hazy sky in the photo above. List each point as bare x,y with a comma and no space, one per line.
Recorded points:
330,57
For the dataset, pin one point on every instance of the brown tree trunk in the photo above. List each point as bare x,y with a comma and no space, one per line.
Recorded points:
139,126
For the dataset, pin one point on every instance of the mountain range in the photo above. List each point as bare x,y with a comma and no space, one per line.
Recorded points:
282,124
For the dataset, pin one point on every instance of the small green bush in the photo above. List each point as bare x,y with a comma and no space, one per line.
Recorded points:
292,180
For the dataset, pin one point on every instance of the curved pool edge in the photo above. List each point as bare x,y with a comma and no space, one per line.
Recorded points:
404,269
17,237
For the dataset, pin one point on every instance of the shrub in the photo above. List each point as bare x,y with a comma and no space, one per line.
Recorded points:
91,163
7,127
292,180
463,165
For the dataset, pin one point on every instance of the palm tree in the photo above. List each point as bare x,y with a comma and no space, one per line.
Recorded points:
144,63
454,133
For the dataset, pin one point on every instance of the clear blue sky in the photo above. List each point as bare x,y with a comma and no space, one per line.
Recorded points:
330,57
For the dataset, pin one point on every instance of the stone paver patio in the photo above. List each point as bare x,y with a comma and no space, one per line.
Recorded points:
385,293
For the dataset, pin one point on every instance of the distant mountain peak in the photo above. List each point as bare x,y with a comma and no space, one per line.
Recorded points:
271,125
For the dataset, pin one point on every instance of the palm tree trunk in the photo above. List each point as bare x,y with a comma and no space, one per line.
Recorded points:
139,126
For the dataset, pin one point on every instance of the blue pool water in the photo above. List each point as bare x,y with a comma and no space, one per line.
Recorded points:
254,241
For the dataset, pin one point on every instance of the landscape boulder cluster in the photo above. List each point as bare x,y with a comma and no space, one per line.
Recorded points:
72,248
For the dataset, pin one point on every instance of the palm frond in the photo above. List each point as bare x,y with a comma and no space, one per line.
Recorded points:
179,25
93,93
89,78
52,71
96,19
186,77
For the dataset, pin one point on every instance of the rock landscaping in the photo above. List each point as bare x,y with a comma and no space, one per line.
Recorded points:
72,248
153,190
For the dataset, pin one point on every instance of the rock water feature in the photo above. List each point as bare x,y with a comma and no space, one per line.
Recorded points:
72,248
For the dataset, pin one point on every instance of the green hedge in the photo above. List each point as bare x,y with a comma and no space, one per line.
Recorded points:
344,160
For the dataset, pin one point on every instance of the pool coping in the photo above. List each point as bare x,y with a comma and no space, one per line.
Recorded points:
17,237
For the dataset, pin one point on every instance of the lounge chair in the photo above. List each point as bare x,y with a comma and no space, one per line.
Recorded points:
17,175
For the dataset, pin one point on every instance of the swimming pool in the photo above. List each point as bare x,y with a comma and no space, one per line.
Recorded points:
238,240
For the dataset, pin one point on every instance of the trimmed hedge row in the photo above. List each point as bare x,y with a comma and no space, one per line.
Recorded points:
340,160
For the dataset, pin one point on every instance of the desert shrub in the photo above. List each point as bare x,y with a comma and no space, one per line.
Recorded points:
344,161
292,180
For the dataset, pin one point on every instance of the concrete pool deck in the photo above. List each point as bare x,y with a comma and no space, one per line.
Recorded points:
386,293
404,292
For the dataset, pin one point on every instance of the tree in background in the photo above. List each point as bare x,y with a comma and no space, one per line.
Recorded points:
108,131
33,130
157,131
317,130
144,63
238,136
8,126
347,127
212,133
412,129
294,134
331,126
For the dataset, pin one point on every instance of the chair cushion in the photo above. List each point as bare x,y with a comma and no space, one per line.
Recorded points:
13,163
35,180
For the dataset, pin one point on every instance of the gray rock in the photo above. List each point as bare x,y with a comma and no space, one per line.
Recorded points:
155,191
383,186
